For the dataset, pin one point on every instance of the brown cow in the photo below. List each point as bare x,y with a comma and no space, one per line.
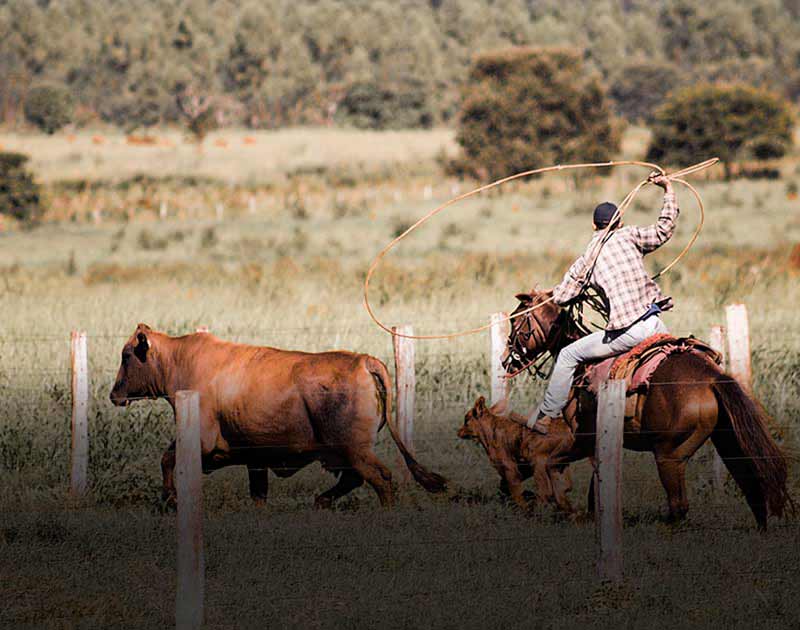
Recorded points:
518,453
272,409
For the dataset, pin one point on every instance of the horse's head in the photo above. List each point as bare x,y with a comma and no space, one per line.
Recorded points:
538,326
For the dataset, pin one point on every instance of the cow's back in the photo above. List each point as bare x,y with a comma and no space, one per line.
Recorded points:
264,395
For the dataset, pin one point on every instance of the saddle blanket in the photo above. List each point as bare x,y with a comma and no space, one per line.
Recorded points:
638,365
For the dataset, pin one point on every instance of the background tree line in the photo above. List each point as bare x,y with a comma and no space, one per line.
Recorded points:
370,63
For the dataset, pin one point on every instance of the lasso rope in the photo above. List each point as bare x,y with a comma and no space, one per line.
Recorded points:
676,177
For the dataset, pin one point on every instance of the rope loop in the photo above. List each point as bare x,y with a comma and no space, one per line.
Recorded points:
676,177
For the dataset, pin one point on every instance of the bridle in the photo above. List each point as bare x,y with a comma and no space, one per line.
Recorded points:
568,325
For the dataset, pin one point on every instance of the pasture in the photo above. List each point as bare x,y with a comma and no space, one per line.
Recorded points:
282,263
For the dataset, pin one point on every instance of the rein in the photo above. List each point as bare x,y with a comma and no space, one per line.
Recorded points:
571,327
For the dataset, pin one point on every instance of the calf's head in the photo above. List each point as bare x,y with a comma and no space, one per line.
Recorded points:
479,414
139,374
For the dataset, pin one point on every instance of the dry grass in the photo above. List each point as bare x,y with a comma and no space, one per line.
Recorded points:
244,156
292,278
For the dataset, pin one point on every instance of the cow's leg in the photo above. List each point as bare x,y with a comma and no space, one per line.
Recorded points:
168,493
513,481
561,481
375,473
541,481
524,471
348,481
217,459
258,475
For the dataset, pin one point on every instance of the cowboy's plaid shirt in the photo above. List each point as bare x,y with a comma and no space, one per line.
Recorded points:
619,274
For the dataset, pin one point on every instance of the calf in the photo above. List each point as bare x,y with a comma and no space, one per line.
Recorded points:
266,408
518,453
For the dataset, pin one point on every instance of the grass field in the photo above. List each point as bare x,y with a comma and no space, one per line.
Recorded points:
286,270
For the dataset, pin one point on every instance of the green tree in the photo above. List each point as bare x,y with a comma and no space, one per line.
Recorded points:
524,108
49,107
732,122
373,106
19,193
638,88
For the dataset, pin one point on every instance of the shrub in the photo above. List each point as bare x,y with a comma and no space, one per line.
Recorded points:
199,112
208,239
733,122
49,107
148,241
20,196
369,105
524,108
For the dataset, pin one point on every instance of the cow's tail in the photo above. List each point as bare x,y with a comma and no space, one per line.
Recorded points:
431,481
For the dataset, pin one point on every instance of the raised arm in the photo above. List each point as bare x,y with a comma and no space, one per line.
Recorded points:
651,237
571,285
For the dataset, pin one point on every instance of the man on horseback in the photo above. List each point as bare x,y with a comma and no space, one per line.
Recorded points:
634,301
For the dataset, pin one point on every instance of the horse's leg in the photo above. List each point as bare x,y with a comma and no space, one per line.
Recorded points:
699,412
672,472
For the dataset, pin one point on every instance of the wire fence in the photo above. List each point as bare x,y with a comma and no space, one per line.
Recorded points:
440,403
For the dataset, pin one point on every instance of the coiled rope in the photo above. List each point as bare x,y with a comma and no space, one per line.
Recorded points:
676,177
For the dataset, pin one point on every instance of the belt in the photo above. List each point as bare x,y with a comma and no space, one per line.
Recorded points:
654,309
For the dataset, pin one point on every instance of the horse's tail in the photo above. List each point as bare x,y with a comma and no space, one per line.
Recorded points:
424,477
744,443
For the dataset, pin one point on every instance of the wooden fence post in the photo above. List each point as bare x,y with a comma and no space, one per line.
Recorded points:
716,340
405,385
498,335
608,478
188,485
739,345
79,464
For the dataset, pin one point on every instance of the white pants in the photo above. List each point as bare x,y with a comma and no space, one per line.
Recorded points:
591,348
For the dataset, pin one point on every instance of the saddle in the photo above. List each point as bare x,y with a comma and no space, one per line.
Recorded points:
636,367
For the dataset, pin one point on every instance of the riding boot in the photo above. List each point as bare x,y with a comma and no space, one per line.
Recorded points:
541,424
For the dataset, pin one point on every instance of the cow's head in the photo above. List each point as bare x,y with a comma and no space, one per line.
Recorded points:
469,430
139,374
479,414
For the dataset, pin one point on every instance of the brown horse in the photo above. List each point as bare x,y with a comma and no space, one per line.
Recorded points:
689,401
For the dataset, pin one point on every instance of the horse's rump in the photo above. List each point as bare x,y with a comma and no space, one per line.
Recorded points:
637,367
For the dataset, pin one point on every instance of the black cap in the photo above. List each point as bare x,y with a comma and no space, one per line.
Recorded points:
603,214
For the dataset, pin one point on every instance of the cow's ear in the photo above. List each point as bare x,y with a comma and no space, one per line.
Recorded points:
142,346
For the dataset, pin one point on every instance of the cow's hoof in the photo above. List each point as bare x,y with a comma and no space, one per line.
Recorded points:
169,502
323,503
